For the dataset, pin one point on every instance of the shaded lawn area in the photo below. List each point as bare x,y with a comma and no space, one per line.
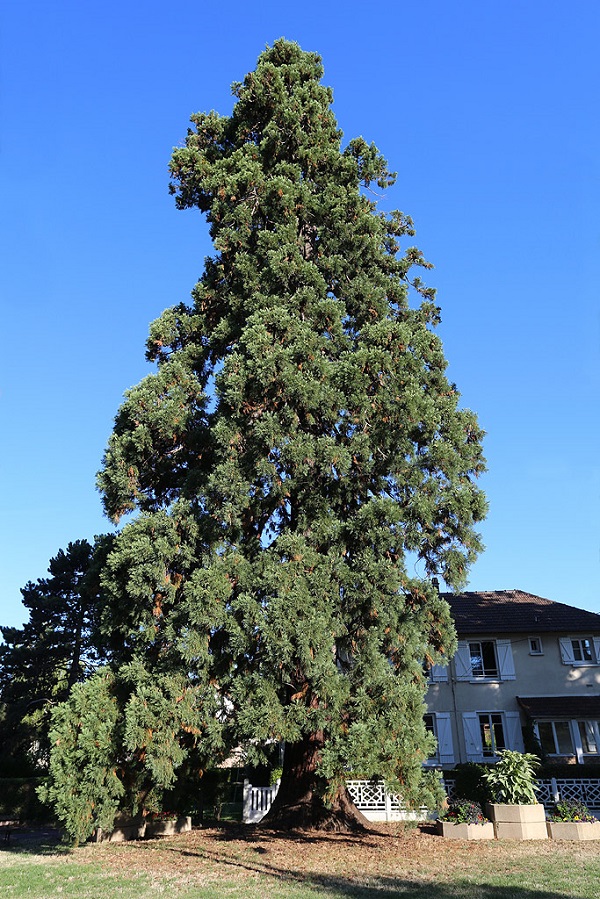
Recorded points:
250,863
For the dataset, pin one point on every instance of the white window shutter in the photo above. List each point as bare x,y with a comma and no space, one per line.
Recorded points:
514,732
506,664
597,650
566,650
462,661
472,736
439,674
443,722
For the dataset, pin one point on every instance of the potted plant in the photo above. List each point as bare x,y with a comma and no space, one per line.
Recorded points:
571,820
515,811
464,820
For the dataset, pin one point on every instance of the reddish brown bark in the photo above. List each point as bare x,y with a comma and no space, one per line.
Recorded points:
299,804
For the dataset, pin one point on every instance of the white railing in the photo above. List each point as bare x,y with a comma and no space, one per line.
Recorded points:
580,789
376,804
257,801
554,789
370,797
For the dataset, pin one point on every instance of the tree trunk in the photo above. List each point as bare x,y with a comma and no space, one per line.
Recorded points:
299,802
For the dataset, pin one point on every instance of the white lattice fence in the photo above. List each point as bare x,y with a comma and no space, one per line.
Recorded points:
580,789
554,789
370,797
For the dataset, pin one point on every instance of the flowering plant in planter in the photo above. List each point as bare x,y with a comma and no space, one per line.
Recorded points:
463,811
571,810
163,816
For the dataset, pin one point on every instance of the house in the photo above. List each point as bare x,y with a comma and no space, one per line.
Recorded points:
522,662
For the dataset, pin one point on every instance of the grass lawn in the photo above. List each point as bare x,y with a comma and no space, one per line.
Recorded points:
248,863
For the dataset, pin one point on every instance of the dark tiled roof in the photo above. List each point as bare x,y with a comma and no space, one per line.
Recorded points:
513,611
560,706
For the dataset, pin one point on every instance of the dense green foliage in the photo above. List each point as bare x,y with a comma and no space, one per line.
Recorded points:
40,662
513,778
297,450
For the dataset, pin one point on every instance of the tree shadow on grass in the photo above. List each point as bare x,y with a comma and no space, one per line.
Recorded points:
255,861
34,841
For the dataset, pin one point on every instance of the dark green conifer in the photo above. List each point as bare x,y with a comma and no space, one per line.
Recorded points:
40,662
297,449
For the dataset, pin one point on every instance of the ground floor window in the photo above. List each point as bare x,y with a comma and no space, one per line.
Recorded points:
589,734
430,727
491,729
555,737
569,737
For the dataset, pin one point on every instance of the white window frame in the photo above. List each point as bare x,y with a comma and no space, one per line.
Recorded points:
553,723
568,650
594,725
511,727
504,660
536,652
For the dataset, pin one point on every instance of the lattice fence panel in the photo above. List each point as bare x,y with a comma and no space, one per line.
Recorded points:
366,794
581,790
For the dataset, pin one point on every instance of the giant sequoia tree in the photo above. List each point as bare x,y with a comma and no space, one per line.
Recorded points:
298,447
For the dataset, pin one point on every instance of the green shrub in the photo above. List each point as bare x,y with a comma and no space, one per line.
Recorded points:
512,779
470,783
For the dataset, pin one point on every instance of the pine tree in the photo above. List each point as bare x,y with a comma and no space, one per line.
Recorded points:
40,662
298,448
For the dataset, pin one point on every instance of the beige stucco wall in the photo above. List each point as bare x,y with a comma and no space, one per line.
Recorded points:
535,675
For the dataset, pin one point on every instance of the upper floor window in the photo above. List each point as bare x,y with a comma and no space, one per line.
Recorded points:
535,646
484,660
583,650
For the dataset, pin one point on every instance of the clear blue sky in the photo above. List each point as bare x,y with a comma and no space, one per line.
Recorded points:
489,113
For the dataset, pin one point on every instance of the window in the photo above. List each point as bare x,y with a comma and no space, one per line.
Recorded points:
480,660
440,725
435,674
486,733
555,737
535,646
580,650
484,662
492,733
589,734
430,728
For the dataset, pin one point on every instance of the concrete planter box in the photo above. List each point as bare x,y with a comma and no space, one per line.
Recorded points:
121,832
169,827
518,822
574,830
140,830
452,831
